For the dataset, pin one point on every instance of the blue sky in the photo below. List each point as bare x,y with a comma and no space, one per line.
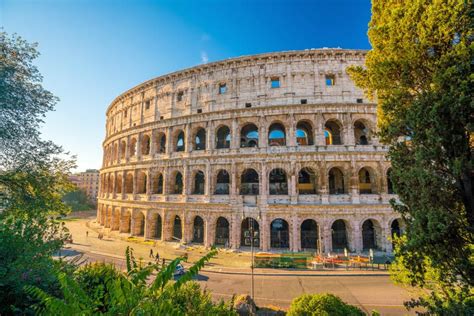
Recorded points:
93,50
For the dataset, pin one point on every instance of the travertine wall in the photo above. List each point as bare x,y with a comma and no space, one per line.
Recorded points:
300,93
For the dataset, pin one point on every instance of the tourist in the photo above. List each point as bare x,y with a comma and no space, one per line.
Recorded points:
151,253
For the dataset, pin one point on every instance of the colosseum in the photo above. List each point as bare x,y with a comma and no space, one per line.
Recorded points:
275,151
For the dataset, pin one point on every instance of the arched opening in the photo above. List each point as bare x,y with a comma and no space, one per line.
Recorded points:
339,235
309,235
332,133
161,144
157,184
336,182
116,153
279,234
198,230
118,183
223,137
123,149
199,183
125,222
222,232
178,183
304,133
200,139
133,147
157,232
250,232
306,181
249,136
278,184
276,135
361,133
249,182
389,182
141,184
179,145
366,182
111,183
177,228
369,239
222,182
129,183
395,230
145,145
139,224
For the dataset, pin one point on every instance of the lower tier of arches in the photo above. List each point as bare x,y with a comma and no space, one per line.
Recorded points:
331,231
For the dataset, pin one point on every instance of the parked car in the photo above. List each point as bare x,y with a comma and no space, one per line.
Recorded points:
179,271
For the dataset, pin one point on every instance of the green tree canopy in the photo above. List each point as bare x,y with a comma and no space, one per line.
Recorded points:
419,72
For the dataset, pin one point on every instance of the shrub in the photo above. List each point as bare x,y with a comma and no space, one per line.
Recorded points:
321,304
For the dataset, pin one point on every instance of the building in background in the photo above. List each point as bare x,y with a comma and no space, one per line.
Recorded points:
88,181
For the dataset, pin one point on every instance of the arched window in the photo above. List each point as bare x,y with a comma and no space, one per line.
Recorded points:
361,133
161,144
223,137
116,153
146,145
396,230
339,235
180,141
276,135
389,182
369,240
111,183
250,232
200,140
158,225
249,182
279,234
177,230
118,183
222,182
222,232
309,235
278,184
133,147
332,133
129,183
304,133
157,184
178,183
198,230
141,184
306,181
366,183
336,182
199,183
249,136
123,149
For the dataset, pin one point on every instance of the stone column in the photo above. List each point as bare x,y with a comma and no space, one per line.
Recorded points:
210,143
127,149
356,243
188,141
124,175
354,183
207,184
149,181
233,181
263,187
264,235
349,128
320,140
153,143
169,140
291,134
263,133
234,139
135,182
139,146
293,183
186,180
207,232
235,231
294,234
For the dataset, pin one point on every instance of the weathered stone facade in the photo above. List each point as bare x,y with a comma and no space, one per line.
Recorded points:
280,136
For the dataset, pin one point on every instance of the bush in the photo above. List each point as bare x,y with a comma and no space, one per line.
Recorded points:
321,304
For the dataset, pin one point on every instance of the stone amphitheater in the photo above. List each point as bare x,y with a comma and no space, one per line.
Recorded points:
275,151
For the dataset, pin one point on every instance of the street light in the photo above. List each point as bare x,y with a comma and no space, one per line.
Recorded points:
251,231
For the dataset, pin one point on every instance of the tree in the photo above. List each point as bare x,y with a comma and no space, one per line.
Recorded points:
322,304
419,71
33,178
77,200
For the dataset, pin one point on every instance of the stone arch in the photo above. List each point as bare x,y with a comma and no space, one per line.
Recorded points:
309,233
340,235
199,141
156,226
367,181
177,225
279,234
138,224
222,232
362,132
388,174
129,183
199,182
337,182
118,183
125,221
304,133
141,182
278,182
160,143
223,137
333,132
222,182
157,183
249,182
198,230
133,147
108,217
145,145
276,134
179,141
249,232
307,181
249,135
116,153
177,187
123,149
371,234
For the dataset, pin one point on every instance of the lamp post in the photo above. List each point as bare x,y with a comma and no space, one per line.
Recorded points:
251,250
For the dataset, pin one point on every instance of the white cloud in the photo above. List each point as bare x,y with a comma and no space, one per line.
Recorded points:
204,57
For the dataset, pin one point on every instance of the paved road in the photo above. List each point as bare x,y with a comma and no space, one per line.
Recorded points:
368,292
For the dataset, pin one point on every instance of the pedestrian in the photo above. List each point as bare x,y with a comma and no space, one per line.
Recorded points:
151,253
87,233
157,257
163,264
